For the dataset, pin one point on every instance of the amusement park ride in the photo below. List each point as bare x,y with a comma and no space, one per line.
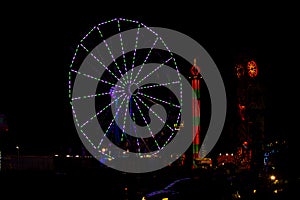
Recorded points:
196,78
250,123
250,106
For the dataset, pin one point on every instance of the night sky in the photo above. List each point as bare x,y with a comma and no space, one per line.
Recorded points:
37,47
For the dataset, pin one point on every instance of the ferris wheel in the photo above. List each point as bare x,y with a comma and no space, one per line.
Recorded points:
125,90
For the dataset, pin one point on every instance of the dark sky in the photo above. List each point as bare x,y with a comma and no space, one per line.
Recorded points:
37,47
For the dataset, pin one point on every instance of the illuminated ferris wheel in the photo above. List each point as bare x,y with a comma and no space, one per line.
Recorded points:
125,86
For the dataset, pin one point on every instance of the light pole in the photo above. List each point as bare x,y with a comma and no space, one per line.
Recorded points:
18,157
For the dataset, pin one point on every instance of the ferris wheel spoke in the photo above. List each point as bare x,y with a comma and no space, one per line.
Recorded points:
114,92
101,63
157,68
90,96
85,135
86,75
145,61
111,54
134,52
97,79
142,115
94,146
125,114
94,116
112,121
154,112
122,48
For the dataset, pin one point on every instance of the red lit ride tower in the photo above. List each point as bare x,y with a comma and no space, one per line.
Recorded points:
196,77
